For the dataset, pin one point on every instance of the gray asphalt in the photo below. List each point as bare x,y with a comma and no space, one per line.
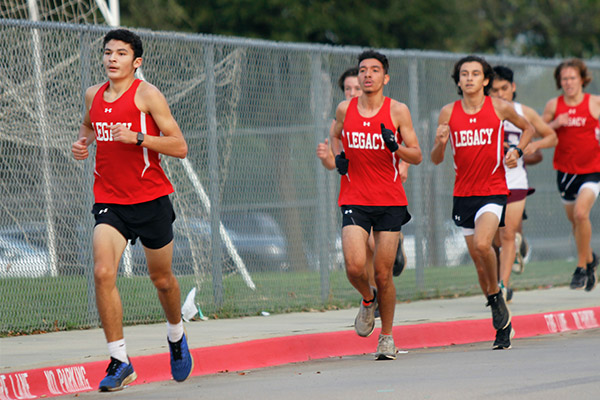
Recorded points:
72,347
560,366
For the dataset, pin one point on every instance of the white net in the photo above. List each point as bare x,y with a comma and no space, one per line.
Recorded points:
75,11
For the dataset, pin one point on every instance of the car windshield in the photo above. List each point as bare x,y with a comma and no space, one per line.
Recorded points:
251,224
35,238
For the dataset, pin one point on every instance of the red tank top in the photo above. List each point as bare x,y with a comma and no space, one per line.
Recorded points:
578,150
373,178
125,173
478,151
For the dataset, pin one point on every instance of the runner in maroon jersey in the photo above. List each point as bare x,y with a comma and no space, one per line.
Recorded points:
574,116
504,87
474,126
125,117
371,129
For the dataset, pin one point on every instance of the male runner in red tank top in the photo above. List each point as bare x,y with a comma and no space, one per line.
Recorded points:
125,117
371,128
574,115
348,83
474,126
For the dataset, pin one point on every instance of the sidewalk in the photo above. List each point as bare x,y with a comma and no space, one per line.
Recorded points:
236,344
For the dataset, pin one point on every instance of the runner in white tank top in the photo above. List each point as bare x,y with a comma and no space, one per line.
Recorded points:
516,178
504,87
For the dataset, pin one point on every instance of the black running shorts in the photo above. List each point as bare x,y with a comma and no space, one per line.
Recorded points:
569,184
465,209
151,221
380,218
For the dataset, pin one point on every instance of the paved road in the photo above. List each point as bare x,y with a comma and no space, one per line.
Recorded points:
561,366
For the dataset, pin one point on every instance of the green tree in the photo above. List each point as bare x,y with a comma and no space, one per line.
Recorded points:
545,28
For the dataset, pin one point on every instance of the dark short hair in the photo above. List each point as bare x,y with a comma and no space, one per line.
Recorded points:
488,72
347,73
376,55
126,36
503,73
576,63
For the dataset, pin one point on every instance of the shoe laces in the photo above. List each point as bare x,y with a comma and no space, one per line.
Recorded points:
113,367
492,302
176,349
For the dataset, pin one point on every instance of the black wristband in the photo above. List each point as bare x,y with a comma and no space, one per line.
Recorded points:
140,138
519,151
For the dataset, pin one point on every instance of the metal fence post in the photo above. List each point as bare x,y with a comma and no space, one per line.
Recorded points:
418,190
84,246
320,225
213,173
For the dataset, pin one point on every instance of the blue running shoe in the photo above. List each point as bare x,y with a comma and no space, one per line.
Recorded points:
118,375
182,362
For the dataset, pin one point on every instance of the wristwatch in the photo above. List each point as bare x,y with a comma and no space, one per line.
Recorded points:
140,138
519,151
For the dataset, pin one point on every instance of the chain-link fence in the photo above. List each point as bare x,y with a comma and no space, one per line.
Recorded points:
257,223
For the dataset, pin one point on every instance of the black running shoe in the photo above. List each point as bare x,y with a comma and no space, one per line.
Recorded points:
591,273
579,278
400,260
509,294
500,312
503,337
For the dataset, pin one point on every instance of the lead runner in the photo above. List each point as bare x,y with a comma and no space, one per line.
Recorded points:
371,129
125,117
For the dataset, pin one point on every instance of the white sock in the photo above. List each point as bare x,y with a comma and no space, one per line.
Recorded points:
118,350
175,332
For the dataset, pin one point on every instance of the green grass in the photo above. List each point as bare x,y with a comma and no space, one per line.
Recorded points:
50,304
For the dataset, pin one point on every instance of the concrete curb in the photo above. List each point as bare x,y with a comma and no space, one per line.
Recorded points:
69,379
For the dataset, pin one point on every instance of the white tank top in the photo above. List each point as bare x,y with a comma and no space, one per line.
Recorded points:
516,178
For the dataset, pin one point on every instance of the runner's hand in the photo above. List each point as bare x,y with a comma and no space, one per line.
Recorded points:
389,138
121,133
80,149
323,150
442,134
341,163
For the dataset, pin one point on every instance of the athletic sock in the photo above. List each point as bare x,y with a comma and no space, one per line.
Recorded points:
175,332
367,303
118,350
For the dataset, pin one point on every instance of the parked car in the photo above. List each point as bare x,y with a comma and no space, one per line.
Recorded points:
256,237
22,252
455,247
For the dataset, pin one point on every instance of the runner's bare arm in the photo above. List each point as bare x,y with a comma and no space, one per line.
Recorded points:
442,135
410,151
403,170
151,101
86,132
542,129
595,106
506,111
335,133
324,152
549,115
